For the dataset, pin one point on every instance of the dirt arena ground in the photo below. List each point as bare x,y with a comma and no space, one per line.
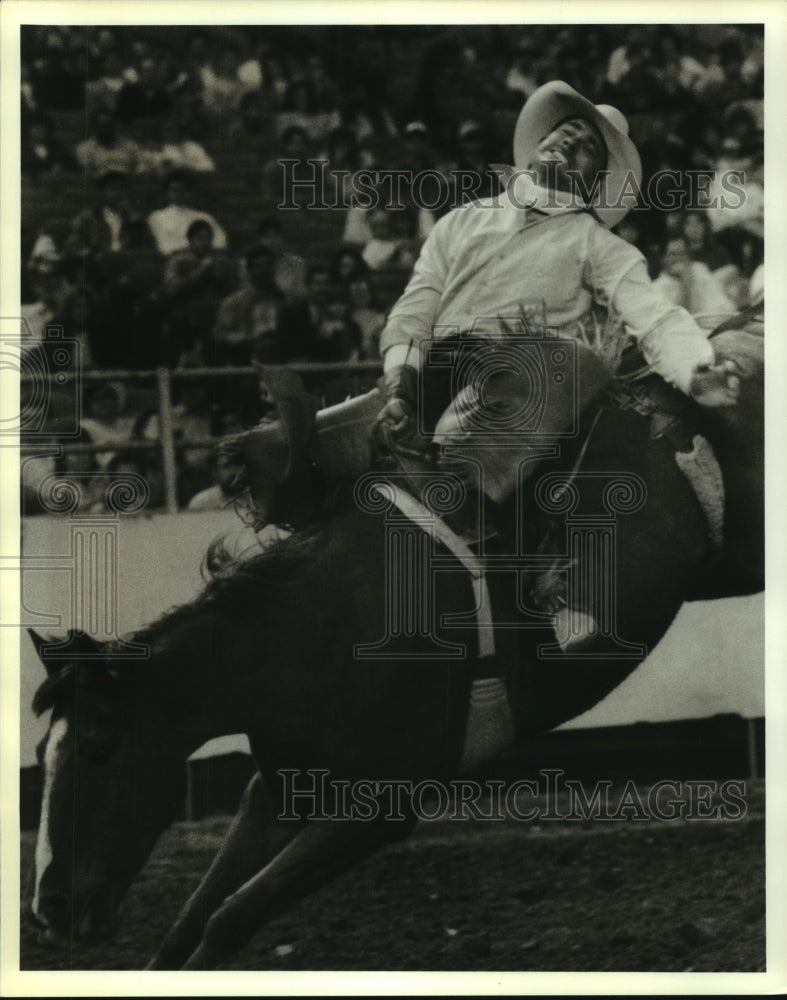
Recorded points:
568,896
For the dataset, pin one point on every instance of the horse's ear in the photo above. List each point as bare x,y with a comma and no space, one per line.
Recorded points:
39,642
77,645
83,644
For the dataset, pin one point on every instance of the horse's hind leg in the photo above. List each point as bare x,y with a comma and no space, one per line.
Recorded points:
255,836
318,853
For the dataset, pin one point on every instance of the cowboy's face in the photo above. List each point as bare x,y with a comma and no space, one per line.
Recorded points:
574,147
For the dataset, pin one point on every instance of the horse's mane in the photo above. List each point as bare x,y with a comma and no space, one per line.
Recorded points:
239,586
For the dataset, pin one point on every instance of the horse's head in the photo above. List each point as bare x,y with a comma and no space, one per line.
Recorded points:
108,789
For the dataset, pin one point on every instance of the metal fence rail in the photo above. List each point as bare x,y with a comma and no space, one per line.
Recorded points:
164,378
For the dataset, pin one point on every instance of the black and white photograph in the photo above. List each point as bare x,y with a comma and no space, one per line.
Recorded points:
384,483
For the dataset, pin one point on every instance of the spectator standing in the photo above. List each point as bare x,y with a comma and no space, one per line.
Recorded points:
170,225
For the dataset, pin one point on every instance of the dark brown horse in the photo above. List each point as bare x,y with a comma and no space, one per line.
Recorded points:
298,648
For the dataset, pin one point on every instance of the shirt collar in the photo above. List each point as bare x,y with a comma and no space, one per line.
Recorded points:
523,199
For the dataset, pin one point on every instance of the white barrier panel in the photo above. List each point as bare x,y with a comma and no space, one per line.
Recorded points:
158,563
710,661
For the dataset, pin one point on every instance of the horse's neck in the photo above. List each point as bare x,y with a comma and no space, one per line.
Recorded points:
196,683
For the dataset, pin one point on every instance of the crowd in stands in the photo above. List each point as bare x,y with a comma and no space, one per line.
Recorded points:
152,223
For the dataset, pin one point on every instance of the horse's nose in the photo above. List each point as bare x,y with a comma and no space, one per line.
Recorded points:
54,911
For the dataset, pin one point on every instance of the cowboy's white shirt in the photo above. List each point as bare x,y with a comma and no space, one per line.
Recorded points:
492,258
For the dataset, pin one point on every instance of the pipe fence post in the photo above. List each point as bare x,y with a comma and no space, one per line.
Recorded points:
167,438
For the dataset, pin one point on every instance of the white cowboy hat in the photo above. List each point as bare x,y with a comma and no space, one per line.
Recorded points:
553,103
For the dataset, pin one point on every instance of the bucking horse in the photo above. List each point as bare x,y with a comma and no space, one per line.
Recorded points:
358,644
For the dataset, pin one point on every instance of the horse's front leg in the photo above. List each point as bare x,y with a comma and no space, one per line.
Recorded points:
255,836
317,854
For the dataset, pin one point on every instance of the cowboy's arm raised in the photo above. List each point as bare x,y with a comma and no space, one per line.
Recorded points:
669,338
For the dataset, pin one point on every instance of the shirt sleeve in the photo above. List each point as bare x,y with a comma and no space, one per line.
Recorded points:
670,340
412,318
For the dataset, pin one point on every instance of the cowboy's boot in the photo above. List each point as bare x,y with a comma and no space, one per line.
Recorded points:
574,627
